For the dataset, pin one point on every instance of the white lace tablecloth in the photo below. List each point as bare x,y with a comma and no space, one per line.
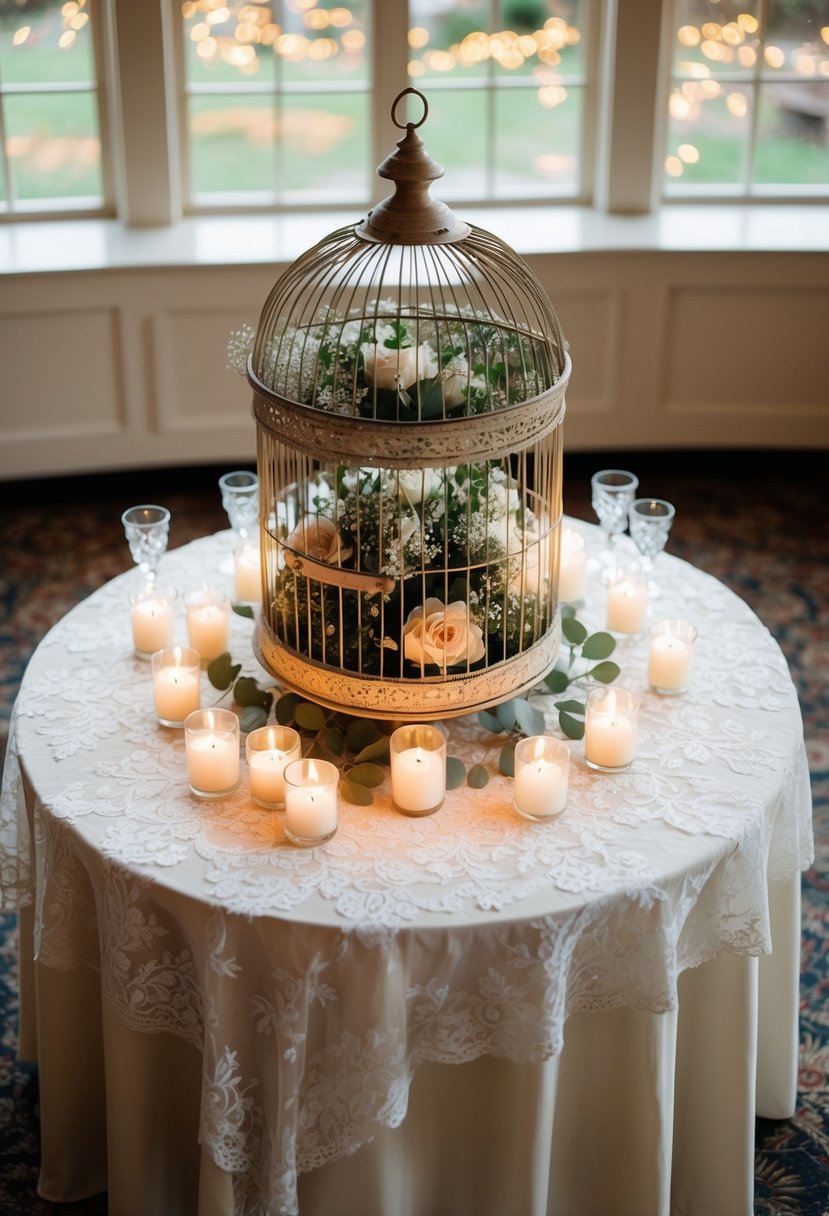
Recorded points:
315,981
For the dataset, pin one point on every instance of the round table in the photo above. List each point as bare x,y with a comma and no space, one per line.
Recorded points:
227,1024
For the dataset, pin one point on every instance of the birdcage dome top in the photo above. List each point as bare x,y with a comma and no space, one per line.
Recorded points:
408,317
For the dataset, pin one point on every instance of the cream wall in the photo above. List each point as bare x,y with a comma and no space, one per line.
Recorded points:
122,368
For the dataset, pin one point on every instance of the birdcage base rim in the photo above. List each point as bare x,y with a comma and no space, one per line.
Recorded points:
403,699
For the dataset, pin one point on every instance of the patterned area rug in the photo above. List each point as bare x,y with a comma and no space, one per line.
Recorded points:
759,523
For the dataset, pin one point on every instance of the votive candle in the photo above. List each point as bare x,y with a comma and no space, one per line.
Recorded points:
572,573
176,691
208,622
153,620
670,656
418,769
541,774
627,603
610,728
310,801
247,573
269,750
211,740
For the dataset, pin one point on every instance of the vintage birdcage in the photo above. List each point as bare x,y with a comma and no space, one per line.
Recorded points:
409,377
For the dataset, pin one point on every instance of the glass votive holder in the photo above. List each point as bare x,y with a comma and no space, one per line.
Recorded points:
269,750
542,767
247,573
153,617
211,741
572,568
670,656
610,727
208,622
176,684
627,602
418,769
310,801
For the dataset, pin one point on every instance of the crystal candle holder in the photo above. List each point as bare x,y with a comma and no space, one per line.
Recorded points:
670,656
418,769
208,622
269,750
627,602
211,740
542,767
176,691
153,618
610,728
310,801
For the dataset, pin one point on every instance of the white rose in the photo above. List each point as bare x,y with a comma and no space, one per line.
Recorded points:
389,366
319,538
417,484
536,572
442,635
455,377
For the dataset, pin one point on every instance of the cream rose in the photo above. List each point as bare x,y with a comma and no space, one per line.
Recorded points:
417,484
319,538
442,635
398,367
455,377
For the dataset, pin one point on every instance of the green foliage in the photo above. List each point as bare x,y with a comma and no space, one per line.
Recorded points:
477,777
455,772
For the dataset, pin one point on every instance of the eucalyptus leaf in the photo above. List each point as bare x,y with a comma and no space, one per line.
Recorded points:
367,774
334,741
360,734
506,761
557,680
490,721
529,719
506,715
221,672
243,610
598,646
285,708
455,772
572,727
251,718
605,673
358,795
567,611
378,750
573,631
247,692
571,707
477,777
309,716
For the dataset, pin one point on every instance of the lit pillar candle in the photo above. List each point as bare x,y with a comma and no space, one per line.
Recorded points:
627,603
247,572
541,776
670,656
153,620
572,567
211,738
208,622
610,728
176,691
418,769
269,750
310,801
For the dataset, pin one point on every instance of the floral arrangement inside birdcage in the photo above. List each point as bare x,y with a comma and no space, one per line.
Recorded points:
408,395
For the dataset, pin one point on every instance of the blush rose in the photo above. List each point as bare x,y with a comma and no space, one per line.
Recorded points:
319,538
440,634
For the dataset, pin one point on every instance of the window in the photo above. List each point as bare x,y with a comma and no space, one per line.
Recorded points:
749,101
50,125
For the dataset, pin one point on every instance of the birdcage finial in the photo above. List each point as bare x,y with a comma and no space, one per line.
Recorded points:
410,216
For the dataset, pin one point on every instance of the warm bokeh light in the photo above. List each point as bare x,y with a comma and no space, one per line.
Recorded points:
552,95
67,40
688,35
21,35
418,37
748,23
674,166
774,56
746,57
679,107
737,104
688,154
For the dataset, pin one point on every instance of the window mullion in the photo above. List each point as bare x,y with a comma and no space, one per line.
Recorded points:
390,75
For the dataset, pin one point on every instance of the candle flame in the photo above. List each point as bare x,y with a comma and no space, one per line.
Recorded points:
610,703
538,749
210,720
313,774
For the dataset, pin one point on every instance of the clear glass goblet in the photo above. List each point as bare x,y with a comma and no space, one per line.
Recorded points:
240,499
650,522
147,530
613,490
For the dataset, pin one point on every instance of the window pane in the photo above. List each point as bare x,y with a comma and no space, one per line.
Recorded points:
53,145
537,144
793,39
448,42
325,148
715,38
46,42
457,138
707,138
793,134
232,143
